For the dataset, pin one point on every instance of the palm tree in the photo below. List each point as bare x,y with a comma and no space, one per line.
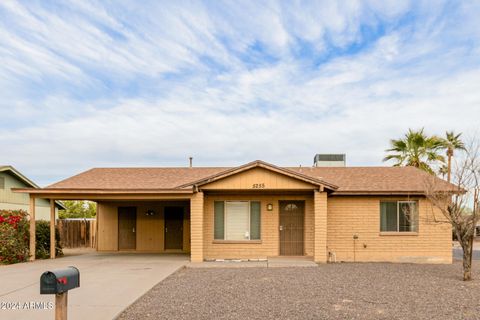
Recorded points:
416,149
451,142
443,171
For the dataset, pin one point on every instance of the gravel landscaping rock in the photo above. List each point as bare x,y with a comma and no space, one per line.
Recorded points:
332,291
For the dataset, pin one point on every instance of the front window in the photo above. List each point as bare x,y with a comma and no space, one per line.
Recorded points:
236,220
398,216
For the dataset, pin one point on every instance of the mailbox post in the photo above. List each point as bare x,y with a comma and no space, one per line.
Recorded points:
61,306
59,282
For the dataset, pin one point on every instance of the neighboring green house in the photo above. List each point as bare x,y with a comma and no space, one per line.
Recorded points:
12,178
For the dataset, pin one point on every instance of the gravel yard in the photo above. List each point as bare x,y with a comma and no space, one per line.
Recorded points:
332,291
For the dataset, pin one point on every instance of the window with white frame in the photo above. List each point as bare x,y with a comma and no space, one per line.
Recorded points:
236,220
399,216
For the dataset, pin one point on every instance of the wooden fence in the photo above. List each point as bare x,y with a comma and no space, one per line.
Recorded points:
76,233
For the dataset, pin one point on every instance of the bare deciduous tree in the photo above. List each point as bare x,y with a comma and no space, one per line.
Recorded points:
459,203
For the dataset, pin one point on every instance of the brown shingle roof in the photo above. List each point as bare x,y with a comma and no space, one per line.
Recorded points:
374,179
348,179
135,178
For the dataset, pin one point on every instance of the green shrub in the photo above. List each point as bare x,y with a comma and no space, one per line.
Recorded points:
42,248
14,236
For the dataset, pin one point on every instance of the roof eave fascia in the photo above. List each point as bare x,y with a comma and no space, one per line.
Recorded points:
378,193
60,205
20,176
101,191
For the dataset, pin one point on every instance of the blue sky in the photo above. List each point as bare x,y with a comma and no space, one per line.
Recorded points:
149,83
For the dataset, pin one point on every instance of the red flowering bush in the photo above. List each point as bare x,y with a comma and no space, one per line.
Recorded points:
14,236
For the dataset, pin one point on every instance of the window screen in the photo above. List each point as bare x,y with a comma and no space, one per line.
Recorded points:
407,216
237,224
237,220
399,216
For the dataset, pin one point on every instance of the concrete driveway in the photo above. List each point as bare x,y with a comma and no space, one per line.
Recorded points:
458,251
108,283
458,254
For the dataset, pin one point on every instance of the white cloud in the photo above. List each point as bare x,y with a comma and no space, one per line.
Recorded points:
134,85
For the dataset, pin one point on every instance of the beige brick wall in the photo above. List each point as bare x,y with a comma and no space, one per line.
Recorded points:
196,227
320,232
361,215
346,216
269,245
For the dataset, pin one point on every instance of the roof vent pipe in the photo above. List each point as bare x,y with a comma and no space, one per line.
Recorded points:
191,161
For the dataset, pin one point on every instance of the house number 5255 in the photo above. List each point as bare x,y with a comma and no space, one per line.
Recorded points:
258,185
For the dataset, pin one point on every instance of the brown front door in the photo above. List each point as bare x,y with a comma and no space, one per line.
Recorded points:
127,225
291,228
173,227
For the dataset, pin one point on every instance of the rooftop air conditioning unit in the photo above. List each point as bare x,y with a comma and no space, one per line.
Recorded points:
329,160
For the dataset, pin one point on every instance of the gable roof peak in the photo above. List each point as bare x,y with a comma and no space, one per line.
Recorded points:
260,164
19,175
24,179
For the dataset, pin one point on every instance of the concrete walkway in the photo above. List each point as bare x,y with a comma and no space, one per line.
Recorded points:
270,262
108,283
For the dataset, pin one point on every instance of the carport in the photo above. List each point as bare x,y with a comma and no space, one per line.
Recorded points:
112,201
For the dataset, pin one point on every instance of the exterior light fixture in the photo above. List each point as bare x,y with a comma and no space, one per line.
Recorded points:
269,207
150,213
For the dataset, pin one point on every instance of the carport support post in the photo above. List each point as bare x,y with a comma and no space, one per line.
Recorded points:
52,229
196,227
32,228
320,232
61,302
